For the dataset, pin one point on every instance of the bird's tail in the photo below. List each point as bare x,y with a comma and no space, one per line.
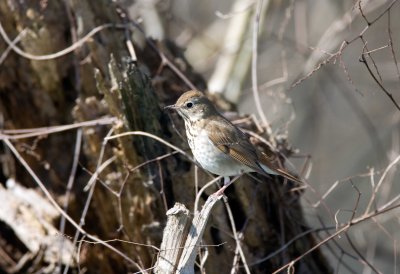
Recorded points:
270,166
289,176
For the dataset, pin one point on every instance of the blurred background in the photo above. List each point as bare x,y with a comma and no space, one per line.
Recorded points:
335,113
322,74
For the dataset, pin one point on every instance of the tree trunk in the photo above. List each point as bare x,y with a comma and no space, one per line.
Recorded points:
130,198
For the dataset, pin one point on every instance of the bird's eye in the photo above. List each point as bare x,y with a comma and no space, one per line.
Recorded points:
189,105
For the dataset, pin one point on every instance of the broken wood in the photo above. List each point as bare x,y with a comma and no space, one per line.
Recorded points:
173,257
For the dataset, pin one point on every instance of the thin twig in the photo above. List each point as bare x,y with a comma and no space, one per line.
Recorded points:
165,60
384,11
59,209
254,78
70,183
344,228
367,52
60,53
364,61
13,43
381,180
99,168
236,235
360,255
391,46
314,62
288,243
33,132
142,133
362,13
196,201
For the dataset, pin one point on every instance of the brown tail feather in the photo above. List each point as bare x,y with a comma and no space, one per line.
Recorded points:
270,162
289,176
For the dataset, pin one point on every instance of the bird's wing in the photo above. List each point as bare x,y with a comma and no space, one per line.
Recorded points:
233,142
274,166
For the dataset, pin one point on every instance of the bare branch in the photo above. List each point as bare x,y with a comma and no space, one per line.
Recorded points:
58,54
59,209
364,61
254,78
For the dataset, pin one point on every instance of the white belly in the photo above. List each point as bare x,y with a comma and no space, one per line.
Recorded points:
213,159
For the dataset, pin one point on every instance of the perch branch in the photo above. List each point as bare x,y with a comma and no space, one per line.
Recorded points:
173,257
174,236
187,260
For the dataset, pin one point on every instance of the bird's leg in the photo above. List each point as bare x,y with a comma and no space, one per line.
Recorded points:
227,182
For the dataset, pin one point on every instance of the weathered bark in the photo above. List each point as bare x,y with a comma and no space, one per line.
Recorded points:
94,81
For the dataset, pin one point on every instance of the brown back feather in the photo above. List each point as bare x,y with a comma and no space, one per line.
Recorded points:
233,142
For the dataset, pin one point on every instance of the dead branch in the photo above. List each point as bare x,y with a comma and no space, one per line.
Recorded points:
175,257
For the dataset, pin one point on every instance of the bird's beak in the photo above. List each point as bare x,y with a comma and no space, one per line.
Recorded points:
171,107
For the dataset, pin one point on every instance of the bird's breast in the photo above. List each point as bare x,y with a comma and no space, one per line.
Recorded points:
209,156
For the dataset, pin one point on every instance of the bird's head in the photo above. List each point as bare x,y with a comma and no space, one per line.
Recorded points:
193,106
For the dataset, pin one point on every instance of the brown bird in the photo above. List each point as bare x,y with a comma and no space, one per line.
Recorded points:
219,146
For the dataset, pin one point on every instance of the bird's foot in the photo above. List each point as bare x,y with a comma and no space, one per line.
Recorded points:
220,191
227,182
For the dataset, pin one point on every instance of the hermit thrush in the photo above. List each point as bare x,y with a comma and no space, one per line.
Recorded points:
218,145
